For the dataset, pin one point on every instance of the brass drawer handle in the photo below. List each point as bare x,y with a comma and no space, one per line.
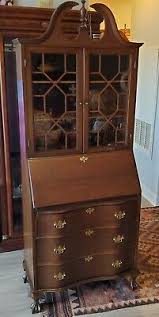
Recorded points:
60,276
84,159
117,264
60,249
60,224
120,214
89,211
88,258
118,239
89,232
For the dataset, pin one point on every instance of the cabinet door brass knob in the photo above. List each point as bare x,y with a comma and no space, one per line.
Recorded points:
89,211
89,232
60,224
60,276
88,258
120,214
117,264
60,249
84,159
118,239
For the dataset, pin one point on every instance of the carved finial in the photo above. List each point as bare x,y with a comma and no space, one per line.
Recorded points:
84,15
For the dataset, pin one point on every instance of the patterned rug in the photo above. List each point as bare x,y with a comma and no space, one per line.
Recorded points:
110,295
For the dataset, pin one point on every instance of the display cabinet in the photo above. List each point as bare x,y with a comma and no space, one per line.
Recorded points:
81,193
29,22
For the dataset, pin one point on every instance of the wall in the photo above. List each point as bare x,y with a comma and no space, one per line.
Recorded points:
145,28
28,3
121,9
145,21
35,3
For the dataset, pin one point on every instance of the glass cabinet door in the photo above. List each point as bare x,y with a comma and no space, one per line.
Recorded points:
56,117
14,140
108,100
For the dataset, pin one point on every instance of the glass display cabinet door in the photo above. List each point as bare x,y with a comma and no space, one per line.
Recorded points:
108,101
57,120
14,141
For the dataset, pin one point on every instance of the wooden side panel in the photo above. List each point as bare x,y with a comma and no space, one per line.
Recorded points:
62,180
26,197
8,221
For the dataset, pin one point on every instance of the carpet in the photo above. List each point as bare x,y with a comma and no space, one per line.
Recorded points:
110,295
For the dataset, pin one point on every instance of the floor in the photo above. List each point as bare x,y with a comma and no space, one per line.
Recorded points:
145,203
15,302
14,294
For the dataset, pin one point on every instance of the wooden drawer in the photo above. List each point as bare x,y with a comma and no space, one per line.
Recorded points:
65,223
95,267
85,242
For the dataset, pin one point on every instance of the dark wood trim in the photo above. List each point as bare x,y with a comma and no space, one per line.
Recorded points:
14,243
19,21
6,139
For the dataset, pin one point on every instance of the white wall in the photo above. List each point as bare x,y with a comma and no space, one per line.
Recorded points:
121,9
28,3
145,27
36,3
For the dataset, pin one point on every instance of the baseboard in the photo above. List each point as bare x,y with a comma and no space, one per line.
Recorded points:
149,195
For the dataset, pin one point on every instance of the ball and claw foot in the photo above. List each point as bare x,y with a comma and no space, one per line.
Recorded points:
133,284
36,307
25,279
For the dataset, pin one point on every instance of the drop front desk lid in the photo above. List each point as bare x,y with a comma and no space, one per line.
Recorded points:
66,179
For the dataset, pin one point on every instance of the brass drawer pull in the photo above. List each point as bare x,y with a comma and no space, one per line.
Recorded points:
117,264
60,249
89,211
60,224
84,159
60,276
89,232
118,239
88,258
120,214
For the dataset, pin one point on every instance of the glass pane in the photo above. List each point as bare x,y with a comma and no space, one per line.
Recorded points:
108,100
94,95
71,141
53,65
71,63
54,101
39,143
109,66
13,131
107,136
94,63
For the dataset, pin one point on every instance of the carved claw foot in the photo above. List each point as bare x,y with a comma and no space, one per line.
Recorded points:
36,307
133,284
25,279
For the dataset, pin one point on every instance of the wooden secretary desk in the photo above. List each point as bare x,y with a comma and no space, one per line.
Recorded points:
19,22
81,194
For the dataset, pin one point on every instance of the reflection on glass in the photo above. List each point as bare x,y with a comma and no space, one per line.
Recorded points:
108,100
54,101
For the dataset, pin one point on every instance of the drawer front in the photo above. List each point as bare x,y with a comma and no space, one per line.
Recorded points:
73,178
89,267
85,242
64,223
